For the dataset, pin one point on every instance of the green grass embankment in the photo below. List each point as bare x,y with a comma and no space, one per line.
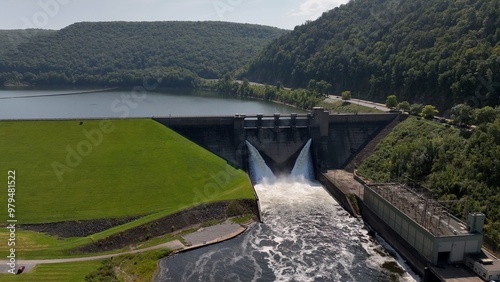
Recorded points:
93,169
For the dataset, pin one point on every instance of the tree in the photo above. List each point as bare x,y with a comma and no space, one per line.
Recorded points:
462,114
416,109
269,93
429,111
484,115
279,85
404,106
392,101
321,87
244,90
346,95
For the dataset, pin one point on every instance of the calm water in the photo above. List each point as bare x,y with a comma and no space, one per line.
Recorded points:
34,104
306,236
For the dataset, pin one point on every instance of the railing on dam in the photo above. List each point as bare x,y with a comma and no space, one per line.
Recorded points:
277,120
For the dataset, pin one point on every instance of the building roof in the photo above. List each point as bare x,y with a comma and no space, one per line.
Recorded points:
428,213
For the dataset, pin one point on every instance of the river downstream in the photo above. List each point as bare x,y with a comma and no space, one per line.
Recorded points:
306,236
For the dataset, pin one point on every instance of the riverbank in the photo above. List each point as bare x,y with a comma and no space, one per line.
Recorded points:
203,236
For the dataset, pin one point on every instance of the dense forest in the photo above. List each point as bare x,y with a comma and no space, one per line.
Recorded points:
440,52
10,39
124,53
460,166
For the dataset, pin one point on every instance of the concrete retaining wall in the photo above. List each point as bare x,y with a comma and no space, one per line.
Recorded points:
410,254
337,194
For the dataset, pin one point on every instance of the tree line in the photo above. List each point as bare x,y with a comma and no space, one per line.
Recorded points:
301,98
440,52
118,53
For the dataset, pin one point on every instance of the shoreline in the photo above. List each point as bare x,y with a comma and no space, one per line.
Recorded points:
176,246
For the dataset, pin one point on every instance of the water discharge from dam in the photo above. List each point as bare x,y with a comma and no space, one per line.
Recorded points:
305,236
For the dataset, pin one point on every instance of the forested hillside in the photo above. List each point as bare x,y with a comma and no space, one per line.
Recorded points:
10,39
441,52
461,167
124,53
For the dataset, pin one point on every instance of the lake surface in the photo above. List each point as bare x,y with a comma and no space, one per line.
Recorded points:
48,104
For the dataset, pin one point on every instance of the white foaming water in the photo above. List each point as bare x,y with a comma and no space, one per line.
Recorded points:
304,165
258,167
306,236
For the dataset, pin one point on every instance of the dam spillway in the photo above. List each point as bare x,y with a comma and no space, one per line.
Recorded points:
336,138
305,236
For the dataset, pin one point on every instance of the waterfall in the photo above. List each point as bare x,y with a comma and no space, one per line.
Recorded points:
259,170
307,236
303,167
258,167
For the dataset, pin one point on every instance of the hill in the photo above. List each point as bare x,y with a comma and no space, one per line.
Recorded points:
125,53
460,167
10,39
441,52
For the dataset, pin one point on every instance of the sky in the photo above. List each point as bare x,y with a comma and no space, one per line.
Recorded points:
57,14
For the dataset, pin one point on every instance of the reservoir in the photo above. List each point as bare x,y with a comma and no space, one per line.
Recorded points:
53,104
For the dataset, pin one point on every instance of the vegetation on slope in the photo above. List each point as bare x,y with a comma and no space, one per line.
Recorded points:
301,98
65,171
133,267
10,39
125,53
459,166
439,52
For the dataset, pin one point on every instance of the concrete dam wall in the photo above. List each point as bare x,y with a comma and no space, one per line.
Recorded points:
336,139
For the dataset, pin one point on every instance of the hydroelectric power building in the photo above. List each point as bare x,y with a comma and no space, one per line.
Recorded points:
424,224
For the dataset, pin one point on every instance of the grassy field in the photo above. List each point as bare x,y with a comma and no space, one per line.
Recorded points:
72,170
139,167
74,271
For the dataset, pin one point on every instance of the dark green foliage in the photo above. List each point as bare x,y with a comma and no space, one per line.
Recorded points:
10,39
321,88
301,98
484,115
462,114
404,106
391,101
416,109
105,273
440,52
126,53
429,111
455,168
346,95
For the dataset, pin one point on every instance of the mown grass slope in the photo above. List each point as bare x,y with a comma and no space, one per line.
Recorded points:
73,271
76,170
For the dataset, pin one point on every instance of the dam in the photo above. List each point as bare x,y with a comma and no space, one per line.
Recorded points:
305,236
339,141
336,138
